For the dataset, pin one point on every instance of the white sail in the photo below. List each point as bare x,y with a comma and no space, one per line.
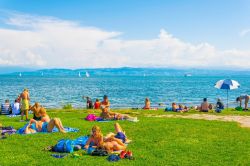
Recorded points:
79,74
188,75
87,74
20,74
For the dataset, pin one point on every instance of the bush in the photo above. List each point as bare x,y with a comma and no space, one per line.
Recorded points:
67,106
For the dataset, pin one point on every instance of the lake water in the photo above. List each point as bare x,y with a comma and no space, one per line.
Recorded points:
123,91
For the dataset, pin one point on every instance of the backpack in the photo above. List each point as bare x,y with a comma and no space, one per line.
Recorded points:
81,141
64,145
91,117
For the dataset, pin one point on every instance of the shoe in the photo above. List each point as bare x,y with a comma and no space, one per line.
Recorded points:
122,154
129,155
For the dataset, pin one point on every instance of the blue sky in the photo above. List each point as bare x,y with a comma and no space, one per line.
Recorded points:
223,24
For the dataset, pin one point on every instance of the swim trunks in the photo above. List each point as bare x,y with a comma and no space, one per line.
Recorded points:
121,136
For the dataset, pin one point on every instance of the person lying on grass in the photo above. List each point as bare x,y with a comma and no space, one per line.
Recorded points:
113,144
108,115
40,126
110,144
120,134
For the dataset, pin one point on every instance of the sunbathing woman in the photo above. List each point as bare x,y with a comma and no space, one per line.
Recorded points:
108,115
96,141
36,108
39,126
96,138
120,134
113,144
44,116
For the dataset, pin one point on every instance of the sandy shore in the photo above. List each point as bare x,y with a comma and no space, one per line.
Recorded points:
244,121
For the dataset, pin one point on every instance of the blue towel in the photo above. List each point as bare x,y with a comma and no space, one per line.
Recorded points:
67,129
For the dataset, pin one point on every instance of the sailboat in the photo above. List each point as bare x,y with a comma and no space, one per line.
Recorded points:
42,74
20,74
79,74
187,75
87,74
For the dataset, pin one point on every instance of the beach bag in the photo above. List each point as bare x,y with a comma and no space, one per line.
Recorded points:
81,141
91,117
64,145
238,108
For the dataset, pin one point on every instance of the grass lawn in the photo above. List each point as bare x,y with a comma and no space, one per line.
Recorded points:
156,141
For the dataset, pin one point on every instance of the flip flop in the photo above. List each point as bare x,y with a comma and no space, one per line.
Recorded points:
49,148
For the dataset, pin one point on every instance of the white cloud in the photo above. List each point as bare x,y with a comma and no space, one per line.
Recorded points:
244,32
51,42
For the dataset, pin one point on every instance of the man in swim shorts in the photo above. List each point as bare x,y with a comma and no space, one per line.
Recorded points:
24,98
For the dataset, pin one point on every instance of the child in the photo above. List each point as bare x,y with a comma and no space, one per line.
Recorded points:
97,104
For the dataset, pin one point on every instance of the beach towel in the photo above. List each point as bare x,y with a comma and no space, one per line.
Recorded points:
7,130
12,116
106,120
67,129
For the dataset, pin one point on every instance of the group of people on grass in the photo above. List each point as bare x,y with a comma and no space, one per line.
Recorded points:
204,107
111,142
41,121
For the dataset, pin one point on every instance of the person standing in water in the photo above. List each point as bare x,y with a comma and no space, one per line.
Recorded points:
25,99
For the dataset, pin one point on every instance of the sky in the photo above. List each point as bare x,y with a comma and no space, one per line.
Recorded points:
132,33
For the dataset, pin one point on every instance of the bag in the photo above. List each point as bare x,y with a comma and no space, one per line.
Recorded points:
64,146
238,108
91,117
99,152
81,141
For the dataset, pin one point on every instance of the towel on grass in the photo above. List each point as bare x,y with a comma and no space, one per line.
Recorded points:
12,116
67,129
7,130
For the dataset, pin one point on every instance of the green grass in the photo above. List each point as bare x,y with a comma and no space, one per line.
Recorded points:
156,141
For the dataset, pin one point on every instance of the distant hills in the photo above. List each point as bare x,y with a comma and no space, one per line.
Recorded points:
125,71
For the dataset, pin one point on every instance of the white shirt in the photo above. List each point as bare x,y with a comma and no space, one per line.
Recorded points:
15,108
